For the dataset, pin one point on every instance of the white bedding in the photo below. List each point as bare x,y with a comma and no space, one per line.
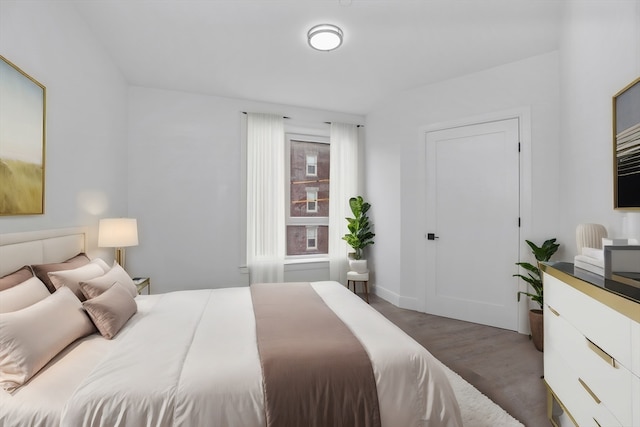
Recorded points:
190,359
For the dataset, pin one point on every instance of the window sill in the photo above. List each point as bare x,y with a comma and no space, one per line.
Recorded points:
313,260
300,262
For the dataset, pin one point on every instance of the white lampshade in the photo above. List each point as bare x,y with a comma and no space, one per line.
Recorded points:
117,232
325,37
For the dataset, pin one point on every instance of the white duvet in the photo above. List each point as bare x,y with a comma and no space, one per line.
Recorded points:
190,359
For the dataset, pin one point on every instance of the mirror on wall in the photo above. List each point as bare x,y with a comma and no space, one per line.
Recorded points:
626,147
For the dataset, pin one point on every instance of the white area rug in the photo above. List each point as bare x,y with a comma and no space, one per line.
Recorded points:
477,409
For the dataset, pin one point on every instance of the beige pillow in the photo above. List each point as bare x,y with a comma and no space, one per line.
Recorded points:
96,286
72,278
23,295
100,262
42,270
111,310
31,337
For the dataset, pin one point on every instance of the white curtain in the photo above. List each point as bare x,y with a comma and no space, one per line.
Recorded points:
343,185
265,198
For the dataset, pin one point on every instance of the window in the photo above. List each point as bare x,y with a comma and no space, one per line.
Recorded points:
307,219
312,165
312,238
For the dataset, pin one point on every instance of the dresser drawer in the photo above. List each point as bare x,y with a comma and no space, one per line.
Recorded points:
608,383
563,380
635,349
604,326
635,397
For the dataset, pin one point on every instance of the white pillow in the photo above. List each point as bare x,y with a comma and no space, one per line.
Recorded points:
72,278
96,286
100,262
31,337
23,295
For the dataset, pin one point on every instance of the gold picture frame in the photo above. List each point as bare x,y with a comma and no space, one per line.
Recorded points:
626,147
22,141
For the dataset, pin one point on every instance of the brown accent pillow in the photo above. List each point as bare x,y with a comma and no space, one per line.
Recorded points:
111,309
42,270
15,278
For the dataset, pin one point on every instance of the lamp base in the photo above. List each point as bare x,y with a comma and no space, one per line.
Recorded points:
120,256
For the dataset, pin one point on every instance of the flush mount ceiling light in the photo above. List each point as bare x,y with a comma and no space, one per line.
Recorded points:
325,37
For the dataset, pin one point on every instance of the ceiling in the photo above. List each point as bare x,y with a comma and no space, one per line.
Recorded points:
257,49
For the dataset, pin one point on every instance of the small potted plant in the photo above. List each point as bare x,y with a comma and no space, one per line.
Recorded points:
360,235
534,279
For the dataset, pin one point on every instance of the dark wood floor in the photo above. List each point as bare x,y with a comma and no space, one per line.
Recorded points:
503,365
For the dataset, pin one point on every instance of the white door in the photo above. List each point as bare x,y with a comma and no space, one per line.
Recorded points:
472,223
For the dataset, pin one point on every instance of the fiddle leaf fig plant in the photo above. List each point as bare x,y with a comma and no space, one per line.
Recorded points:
534,276
360,235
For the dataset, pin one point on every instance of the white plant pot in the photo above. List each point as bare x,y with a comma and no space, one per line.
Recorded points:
358,265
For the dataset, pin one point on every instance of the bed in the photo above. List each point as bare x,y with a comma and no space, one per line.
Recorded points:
199,357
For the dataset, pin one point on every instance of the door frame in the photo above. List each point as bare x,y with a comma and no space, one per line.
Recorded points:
523,114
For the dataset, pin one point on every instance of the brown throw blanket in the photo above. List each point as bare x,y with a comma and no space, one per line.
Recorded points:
315,371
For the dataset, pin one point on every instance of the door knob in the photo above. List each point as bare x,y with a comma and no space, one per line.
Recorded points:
432,236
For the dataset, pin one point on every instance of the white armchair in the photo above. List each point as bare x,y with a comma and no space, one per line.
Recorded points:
589,242
590,236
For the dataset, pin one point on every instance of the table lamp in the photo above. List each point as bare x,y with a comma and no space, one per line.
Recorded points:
118,233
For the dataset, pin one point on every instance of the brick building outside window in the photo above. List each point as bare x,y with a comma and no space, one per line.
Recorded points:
308,211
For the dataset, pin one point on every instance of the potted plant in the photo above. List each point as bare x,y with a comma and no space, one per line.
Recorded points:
360,235
534,279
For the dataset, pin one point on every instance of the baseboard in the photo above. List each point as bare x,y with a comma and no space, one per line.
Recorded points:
387,295
399,301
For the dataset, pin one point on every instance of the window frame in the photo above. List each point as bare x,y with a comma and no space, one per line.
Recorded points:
301,221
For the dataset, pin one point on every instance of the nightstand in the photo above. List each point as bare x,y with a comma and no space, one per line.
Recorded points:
141,283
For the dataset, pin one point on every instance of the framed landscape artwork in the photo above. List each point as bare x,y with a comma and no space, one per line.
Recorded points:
22,146
626,147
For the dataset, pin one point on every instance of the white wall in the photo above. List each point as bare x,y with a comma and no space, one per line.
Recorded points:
395,161
85,115
599,55
185,186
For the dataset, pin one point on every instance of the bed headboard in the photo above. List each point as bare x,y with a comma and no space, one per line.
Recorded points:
38,247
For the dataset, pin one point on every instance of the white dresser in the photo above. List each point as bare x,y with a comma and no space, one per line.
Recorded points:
591,349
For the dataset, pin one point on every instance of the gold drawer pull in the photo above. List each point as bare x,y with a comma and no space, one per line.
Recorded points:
600,352
553,311
586,387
